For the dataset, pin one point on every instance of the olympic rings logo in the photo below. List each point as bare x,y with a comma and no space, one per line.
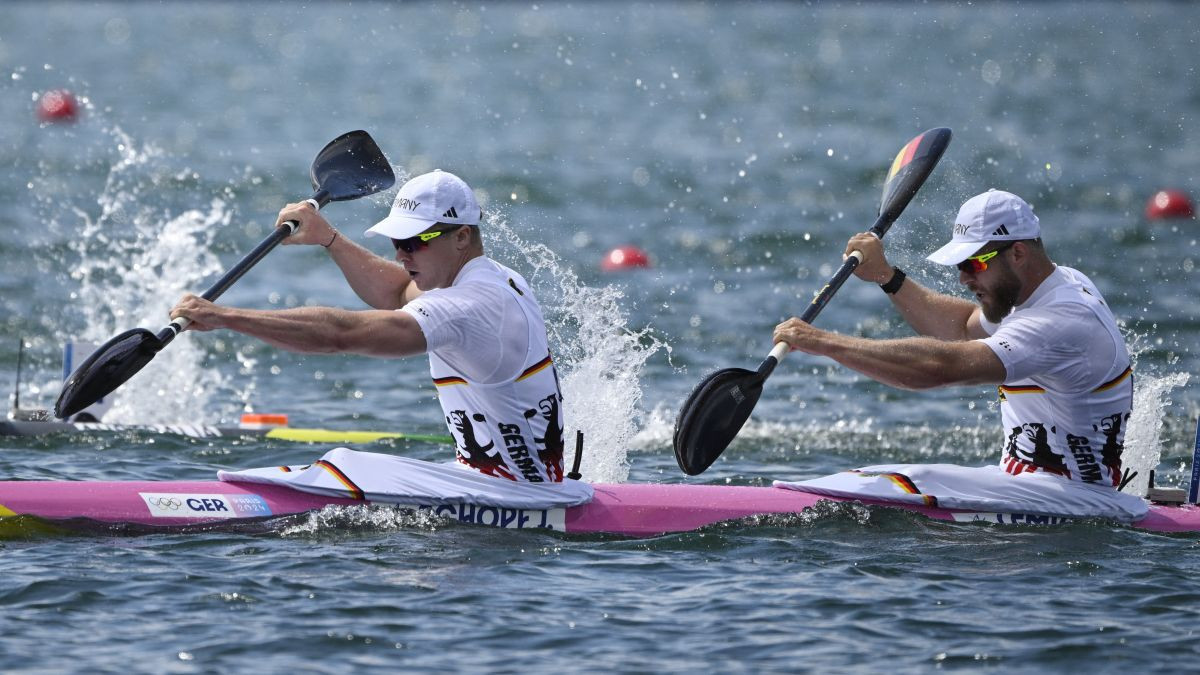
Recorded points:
165,503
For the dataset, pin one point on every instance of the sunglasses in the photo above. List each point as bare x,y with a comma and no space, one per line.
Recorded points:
414,244
978,263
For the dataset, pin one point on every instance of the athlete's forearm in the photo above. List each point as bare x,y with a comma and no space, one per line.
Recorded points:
322,330
311,330
912,363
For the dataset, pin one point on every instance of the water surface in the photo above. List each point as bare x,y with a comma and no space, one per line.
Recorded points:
739,145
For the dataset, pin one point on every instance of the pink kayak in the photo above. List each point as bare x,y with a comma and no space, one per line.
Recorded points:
623,509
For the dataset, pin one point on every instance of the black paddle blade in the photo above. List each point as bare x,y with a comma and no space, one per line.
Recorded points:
351,166
106,369
712,416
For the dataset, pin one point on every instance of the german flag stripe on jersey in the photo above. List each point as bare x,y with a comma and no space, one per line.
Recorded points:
355,491
536,368
1115,381
448,381
1128,372
1028,389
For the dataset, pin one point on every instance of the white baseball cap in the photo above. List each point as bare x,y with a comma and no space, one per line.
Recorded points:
434,197
995,215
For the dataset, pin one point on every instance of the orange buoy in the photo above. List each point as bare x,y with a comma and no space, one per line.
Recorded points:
261,420
624,257
1169,204
57,105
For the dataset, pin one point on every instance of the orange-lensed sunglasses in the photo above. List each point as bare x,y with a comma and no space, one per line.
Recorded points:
978,263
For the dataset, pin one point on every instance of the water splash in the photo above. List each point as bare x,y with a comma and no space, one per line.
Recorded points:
366,518
1143,438
1151,398
599,358
130,262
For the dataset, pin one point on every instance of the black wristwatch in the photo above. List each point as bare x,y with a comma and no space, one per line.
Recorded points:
895,282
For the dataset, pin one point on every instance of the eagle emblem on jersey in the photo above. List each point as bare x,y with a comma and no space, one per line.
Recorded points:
470,452
1110,454
550,448
1042,456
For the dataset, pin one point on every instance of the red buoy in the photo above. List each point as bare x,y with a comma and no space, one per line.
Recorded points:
623,257
1169,204
57,105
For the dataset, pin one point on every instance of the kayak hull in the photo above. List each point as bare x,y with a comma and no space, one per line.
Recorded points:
622,509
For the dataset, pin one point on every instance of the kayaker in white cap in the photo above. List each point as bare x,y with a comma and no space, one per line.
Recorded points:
1040,331
477,319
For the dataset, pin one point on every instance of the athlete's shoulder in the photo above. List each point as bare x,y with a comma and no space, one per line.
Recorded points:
485,273
1076,285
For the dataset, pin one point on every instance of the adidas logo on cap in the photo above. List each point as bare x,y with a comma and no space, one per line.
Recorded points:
1001,231
451,213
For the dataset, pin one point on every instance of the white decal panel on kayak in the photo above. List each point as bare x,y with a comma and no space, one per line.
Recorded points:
192,505
174,505
191,430
1009,518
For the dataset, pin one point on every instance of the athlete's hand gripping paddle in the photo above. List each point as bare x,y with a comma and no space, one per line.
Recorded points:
717,408
349,167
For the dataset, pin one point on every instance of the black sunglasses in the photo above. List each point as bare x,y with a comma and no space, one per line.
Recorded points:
414,244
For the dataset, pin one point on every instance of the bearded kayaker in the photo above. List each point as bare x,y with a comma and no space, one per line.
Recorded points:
477,319
1040,331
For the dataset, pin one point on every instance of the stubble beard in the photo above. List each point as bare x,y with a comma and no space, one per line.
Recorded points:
1004,294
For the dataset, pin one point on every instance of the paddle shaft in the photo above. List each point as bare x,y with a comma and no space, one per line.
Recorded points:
851,263
16,399
1194,484
285,230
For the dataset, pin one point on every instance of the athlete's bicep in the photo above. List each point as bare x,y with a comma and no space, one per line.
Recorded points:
975,363
383,333
975,329
409,292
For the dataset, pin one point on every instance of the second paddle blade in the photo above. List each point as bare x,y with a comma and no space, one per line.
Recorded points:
106,369
712,416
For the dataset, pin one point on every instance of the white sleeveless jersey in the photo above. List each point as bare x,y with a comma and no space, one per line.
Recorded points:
490,360
1068,394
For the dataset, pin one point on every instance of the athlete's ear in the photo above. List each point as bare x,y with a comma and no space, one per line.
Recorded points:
462,237
1020,251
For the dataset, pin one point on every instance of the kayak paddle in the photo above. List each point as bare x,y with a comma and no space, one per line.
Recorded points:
717,408
349,167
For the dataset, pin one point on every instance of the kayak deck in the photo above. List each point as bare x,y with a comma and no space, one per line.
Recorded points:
622,509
